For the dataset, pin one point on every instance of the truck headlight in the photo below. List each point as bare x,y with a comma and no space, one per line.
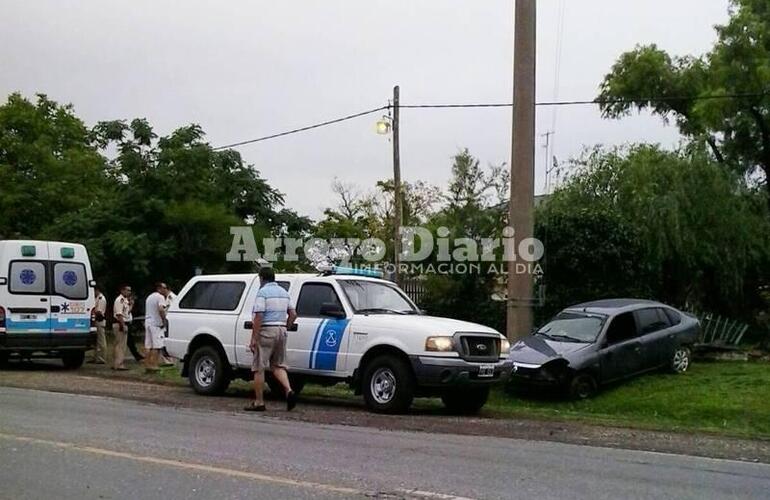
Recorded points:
505,346
439,344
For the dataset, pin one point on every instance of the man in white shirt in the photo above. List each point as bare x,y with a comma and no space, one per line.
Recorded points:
154,325
100,319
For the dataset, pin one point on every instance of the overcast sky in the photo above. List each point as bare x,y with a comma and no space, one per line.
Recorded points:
243,69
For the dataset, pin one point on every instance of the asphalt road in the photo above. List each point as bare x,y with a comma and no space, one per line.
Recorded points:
67,446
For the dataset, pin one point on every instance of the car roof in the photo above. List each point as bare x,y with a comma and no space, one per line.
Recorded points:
287,277
614,306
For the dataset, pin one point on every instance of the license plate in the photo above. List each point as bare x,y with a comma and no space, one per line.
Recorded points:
486,371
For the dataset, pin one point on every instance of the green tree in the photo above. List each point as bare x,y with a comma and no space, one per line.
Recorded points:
475,207
737,129
48,167
640,221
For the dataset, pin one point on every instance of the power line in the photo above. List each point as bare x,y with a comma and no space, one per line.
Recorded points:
493,105
632,100
303,129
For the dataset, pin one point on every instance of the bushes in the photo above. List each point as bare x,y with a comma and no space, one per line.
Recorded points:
672,226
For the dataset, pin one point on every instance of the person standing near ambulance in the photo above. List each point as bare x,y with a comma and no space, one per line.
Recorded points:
100,319
154,325
121,311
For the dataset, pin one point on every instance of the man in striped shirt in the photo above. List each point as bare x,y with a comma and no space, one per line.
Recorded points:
273,314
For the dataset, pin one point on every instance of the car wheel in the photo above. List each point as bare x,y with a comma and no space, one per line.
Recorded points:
73,360
583,386
388,385
680,360
208,372
466,401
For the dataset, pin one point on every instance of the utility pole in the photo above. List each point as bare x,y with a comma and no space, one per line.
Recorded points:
521,205
398,211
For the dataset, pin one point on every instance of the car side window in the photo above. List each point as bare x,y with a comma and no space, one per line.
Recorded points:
651,320
213,296
312,296
622,328
673,317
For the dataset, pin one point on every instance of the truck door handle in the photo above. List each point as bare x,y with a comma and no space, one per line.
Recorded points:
55,309
292,328
248,325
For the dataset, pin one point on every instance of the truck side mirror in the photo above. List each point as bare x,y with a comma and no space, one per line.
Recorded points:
332,310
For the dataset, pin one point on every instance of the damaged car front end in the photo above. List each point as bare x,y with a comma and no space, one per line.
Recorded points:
553,355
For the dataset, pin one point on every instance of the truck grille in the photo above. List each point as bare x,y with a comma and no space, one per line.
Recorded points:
480,348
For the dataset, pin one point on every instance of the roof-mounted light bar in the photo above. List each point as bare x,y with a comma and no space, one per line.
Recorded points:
328,269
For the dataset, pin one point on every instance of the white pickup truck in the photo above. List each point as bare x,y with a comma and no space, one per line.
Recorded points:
350,328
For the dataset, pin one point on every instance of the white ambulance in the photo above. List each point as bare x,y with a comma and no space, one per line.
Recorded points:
46,300
351,328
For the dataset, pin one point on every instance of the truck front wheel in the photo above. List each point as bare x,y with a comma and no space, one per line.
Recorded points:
208,372
466,401
388,385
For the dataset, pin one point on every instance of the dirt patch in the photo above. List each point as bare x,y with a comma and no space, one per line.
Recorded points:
100,381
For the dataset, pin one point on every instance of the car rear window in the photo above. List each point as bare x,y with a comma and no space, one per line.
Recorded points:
213,296
28,277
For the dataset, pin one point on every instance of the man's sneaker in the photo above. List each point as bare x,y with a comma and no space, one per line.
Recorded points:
291,400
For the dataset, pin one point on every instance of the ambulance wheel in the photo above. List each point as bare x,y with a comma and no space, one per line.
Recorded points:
208,373
73,360
388,385
465,401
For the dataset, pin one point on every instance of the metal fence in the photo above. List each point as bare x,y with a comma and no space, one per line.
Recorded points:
415,289
718,331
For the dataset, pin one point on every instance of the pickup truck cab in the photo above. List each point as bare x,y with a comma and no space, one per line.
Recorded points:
351,328
46,301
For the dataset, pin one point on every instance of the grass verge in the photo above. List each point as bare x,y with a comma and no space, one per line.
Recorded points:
725,398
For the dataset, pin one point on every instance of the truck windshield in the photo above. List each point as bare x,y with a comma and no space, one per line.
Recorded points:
573,327
378,298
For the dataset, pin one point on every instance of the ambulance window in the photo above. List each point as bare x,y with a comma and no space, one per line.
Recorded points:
69,280
27,277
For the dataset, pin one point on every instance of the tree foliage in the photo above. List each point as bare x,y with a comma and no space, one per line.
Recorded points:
670,226
157,210
48,167
737,128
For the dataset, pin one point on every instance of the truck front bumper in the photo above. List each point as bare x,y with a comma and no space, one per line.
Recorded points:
436,372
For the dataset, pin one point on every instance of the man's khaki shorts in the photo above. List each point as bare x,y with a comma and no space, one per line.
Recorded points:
271,349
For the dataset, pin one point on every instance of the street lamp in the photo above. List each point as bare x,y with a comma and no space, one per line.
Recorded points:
390,125
383,125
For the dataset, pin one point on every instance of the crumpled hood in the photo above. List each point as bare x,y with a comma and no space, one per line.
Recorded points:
538,350
431,325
